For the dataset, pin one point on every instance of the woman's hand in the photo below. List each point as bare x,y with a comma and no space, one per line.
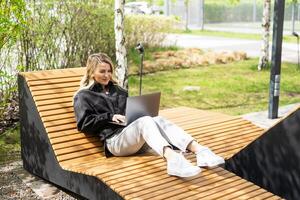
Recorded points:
118,118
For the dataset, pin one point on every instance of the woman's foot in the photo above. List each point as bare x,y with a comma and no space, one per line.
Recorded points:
206,158
177,165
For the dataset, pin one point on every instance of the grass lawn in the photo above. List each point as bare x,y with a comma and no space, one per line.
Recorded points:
234,89
247,36
10,145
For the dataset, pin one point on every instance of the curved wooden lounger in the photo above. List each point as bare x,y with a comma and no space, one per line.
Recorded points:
54,150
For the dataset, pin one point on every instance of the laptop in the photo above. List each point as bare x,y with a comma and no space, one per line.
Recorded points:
139,106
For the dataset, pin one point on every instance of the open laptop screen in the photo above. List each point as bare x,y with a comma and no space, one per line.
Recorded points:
139,106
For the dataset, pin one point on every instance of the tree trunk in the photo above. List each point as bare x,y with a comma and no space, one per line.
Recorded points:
264,57
121,71
186,3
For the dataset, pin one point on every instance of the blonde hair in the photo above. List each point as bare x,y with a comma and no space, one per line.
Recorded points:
92,62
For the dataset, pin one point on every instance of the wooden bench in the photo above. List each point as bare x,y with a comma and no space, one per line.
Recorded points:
54,150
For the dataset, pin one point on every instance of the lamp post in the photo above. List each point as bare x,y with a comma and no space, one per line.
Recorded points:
140,49
297,35
276,59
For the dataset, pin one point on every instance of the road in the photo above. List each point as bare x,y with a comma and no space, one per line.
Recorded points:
251,47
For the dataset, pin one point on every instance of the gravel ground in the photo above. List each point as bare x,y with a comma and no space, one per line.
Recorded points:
13,187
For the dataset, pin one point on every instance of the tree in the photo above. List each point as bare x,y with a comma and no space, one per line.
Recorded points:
12,20
186,4
121,59
266,23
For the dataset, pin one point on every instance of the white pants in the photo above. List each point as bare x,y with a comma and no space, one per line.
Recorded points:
157,132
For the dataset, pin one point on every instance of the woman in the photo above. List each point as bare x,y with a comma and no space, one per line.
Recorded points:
100,101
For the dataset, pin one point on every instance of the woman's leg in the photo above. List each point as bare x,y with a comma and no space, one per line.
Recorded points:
133,137
182,140
177,136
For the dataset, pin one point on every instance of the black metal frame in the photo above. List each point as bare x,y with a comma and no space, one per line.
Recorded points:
39,158
272,161
276,59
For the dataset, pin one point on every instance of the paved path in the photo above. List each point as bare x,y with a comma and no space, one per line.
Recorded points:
251,47
261,118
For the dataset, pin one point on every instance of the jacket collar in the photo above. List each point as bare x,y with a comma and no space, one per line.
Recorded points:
97,87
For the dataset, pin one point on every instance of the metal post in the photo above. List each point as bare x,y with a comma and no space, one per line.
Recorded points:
141,51
276,58
141,72
296,35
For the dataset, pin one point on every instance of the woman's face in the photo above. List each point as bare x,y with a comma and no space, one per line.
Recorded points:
102,73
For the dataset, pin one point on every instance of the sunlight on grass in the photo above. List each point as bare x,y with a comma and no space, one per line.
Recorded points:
247,36
235,88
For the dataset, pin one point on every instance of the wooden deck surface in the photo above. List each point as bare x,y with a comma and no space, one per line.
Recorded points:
143,176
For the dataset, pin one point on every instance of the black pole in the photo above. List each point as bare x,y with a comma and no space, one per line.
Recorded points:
141,72
276,58
296,35
140,49
298,52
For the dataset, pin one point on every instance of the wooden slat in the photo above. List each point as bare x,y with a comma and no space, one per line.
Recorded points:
49,74
63,142
57,86
47,113
69,156
66,133
78,148
55,107
59,122
60,90
70,126
55,96
54,101
56,80
69,114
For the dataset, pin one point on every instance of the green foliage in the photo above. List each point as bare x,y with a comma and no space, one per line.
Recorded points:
148,29
10,145
8,88
12,20
62,34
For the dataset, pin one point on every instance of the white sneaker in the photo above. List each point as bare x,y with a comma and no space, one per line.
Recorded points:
179,166
206,158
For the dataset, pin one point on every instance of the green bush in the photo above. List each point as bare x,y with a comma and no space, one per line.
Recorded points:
62,34
148,29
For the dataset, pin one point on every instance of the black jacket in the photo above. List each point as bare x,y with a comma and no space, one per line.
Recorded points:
94,109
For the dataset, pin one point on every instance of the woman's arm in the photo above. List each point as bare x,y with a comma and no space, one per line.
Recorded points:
88,120
92,123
